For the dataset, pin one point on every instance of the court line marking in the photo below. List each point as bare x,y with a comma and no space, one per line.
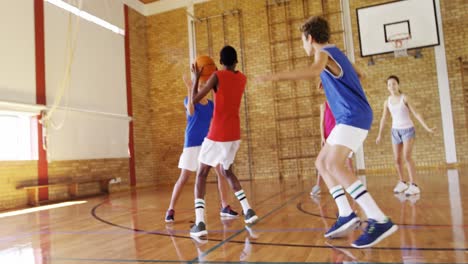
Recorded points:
266,244
299,207
229,262
205,253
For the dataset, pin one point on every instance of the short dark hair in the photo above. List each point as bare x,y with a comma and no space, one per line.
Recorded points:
318,28
393,77
228,56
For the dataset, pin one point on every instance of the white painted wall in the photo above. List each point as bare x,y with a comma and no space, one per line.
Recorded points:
96,124
17,52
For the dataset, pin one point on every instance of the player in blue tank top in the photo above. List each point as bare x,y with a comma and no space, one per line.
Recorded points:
198,122
353,115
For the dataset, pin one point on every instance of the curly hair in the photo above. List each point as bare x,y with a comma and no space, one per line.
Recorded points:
318,28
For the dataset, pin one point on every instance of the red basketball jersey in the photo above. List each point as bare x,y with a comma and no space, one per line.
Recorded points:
225,125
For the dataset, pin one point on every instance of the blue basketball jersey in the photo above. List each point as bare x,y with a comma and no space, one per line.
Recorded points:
344,93
198,124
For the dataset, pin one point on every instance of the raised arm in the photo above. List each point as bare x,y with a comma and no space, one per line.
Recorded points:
382,121
313,71
211,84
417,115
188,83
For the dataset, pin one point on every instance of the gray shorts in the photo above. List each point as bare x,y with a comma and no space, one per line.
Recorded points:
401,135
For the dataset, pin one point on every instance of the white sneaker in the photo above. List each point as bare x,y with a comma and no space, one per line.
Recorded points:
413,189
400,187
401,197
413,198
315,190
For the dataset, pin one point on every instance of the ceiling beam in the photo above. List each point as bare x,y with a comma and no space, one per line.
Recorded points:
136,5
160,6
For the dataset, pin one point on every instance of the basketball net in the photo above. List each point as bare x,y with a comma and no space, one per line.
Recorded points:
399,42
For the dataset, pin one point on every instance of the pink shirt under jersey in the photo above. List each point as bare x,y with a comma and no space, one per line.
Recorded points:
328,121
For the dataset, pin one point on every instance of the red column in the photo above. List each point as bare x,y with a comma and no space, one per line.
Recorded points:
128,75
40,93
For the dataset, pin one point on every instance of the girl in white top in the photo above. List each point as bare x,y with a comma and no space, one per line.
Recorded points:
403,134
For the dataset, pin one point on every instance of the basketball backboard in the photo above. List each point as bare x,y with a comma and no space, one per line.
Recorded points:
413,20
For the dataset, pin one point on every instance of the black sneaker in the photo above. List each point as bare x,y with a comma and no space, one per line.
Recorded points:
198,230
170,216
228,212
250,217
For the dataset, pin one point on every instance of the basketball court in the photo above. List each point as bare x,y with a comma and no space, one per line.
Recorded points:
92,127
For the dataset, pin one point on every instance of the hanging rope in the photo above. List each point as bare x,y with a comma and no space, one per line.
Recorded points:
64,85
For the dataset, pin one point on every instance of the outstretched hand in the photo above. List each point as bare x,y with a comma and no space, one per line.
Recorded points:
431,129
197,73
265,78
377,140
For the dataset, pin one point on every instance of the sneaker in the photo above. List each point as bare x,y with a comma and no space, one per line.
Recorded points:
413,189
413,198
228,212
374,233
315,190
246,251
198,230
400,187
170,216
199,240
251,232
343,251
400,196
250,217
315,199
343,226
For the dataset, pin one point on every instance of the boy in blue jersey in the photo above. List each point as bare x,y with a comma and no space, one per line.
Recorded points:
198,122
353,116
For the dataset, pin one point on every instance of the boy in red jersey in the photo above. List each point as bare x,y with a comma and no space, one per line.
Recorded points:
222,142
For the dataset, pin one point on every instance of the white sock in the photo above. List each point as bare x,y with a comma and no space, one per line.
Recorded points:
364,199
199,211
344,209
243,200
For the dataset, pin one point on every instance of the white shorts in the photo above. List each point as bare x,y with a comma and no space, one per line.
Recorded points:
213,153
189,158
348,136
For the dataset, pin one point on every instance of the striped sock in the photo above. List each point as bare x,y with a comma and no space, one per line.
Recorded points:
364,199
344,209
243,200
199,211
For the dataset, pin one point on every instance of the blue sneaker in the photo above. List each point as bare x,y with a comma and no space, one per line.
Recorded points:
170,216
374,233
343,226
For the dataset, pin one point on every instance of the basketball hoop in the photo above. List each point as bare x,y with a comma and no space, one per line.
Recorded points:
400,42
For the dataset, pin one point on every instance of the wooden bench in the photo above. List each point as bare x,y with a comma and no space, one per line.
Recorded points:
33,189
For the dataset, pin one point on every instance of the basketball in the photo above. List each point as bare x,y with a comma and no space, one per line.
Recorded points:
208,67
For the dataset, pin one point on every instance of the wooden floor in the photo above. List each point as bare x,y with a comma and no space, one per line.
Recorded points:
130,227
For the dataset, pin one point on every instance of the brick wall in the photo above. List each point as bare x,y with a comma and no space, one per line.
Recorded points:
418,79
87,169
12,172
168,59
455,25
159,56
142,104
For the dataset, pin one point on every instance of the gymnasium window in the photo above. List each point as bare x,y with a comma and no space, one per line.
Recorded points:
18,138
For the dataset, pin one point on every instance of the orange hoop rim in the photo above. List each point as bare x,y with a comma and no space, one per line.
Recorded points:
398,39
